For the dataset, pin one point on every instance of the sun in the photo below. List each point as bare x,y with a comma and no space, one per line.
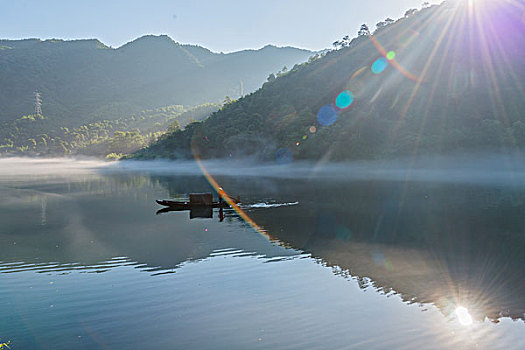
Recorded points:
463,316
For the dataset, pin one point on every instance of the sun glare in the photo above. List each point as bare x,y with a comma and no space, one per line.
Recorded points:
472,2
463,316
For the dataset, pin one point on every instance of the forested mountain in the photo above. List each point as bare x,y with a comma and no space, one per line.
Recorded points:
439,80
89,91
84,80
32,135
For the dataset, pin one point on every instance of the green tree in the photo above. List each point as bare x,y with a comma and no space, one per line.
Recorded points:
364,30
174,126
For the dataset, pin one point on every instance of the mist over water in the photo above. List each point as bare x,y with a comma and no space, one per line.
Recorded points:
490,169
477,168
49,166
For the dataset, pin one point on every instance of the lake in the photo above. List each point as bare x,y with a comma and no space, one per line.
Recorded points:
373,256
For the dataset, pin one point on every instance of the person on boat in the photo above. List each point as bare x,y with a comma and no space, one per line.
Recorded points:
221,193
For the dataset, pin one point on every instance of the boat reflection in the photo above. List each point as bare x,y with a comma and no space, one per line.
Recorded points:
195,213
88,228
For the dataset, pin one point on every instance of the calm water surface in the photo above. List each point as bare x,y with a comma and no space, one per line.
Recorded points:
343,262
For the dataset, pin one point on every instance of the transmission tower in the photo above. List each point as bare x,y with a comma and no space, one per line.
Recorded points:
38,103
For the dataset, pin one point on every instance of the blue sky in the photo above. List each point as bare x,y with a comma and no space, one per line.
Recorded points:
225,25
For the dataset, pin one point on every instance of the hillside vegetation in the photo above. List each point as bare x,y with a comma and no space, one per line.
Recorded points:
84,80
34,135
439,80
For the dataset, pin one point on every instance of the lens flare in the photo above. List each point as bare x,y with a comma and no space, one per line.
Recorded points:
379,65
390,55
313,129
406,37
233,204
344,99
326,115
463,316
459,80
393,61
358,73
230,201
283,156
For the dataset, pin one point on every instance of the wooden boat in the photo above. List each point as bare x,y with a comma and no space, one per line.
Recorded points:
188,205
197,200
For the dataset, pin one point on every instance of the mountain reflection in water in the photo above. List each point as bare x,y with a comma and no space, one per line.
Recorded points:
444,244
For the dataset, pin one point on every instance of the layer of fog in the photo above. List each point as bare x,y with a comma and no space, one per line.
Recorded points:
474,168
21,166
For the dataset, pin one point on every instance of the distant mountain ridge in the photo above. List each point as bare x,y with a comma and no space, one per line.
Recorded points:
85,80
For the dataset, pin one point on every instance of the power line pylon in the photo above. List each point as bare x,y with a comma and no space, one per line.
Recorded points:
38,103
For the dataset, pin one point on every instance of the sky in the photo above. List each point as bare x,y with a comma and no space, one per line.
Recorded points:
220,25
